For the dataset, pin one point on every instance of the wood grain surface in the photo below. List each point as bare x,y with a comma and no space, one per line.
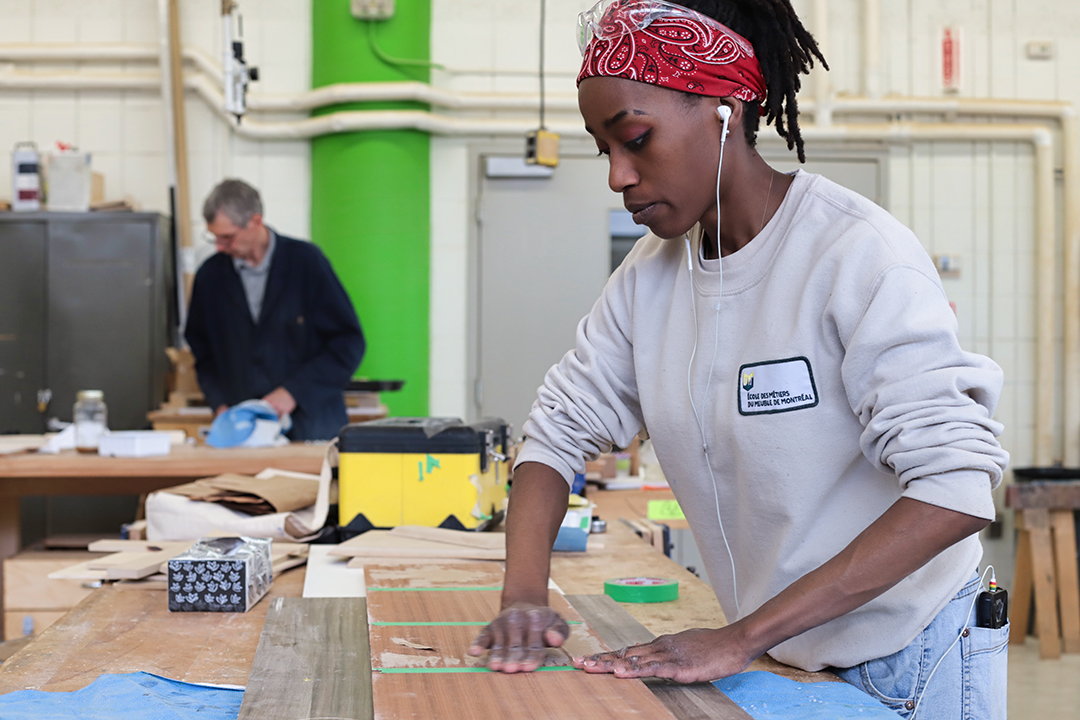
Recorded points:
444,646
559,695
388,544
1059,494
449,605
619,629
621,553
423,671
464,538
312,662
130,630
182,462
433,574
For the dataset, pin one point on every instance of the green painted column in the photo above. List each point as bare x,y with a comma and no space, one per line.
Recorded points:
370,193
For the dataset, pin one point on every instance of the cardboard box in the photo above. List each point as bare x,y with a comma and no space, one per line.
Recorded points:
223,574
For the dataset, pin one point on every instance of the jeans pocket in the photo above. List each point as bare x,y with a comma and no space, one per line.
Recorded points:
986,667
892,680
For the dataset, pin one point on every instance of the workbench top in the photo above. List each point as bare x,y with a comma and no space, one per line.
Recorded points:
184,460
123,628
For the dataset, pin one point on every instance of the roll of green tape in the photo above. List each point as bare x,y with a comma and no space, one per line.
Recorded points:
642,589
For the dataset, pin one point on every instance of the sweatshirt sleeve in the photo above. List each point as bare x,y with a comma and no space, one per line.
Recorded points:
926,405
589,400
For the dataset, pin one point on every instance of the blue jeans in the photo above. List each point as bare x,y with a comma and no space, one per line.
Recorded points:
970,683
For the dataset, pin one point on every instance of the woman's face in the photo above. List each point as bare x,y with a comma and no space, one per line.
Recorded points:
662,151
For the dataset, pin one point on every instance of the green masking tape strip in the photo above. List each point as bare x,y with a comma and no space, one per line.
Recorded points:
412,623
641,589
432,589
559,668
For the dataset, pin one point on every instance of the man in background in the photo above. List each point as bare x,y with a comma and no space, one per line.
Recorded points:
269,319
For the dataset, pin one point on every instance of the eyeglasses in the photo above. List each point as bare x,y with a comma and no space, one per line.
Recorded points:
610,19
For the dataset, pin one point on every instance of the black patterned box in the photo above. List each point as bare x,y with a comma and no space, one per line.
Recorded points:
221,574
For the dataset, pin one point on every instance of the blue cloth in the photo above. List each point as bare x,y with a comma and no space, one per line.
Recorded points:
765,696
307,338
235,425
138,696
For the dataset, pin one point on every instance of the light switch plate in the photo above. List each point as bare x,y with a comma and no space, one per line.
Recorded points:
373,9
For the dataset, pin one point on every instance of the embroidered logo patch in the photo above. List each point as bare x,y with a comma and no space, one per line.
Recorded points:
776,386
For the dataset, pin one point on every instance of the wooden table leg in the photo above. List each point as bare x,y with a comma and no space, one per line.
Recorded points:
10,540
1061,521
1020,606
1037,521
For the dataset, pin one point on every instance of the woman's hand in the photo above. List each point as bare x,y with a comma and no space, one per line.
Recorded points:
517,640
690,656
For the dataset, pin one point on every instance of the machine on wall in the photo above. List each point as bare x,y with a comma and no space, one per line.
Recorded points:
237,73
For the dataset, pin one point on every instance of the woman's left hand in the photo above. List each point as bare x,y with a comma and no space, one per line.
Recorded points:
698,655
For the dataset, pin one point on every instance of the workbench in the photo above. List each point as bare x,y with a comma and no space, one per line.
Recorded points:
71,473
121,629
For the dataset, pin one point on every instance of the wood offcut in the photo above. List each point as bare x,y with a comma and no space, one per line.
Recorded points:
313,661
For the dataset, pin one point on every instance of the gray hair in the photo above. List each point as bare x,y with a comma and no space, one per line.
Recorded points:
238,200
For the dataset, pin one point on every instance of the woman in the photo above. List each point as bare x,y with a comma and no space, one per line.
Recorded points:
789,349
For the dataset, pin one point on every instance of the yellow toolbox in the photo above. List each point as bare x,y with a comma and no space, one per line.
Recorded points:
438,472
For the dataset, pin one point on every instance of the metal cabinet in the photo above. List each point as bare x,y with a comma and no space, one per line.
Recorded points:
85,302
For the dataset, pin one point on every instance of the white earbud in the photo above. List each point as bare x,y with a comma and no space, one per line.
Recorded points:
725,114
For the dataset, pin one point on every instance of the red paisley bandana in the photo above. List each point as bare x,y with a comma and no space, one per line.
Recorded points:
682,53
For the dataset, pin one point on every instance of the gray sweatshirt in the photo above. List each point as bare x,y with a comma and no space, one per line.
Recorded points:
828,382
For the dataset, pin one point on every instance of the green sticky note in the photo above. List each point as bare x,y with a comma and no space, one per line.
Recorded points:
665,510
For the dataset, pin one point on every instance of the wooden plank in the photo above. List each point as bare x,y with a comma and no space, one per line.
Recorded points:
136,565
497,696
444,646
1037,522
385,544
451,605
16,622
313,661
1064,532
619,629
183,462
329,576
1057,494
423,671
28,586
464,538
1020,605
127,546
429,575
81,571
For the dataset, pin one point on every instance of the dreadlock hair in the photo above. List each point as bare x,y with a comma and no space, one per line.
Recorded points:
785,50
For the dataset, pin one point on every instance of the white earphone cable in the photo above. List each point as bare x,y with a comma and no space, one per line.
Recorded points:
967,617
712,364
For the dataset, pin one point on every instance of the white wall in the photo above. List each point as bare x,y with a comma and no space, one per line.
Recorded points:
125,131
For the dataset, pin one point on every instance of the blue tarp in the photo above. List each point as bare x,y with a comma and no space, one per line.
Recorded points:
766,696
140,696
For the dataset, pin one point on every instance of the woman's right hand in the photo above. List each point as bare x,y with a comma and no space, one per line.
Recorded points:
517,640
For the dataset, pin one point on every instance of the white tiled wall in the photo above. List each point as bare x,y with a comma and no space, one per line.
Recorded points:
125,131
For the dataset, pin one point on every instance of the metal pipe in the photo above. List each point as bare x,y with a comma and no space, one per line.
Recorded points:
102,53
872,48
1044,302
1070,124
822,81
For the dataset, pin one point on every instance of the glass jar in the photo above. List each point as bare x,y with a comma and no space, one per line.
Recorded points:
91,420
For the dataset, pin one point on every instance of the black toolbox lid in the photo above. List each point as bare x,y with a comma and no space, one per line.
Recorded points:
416,435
